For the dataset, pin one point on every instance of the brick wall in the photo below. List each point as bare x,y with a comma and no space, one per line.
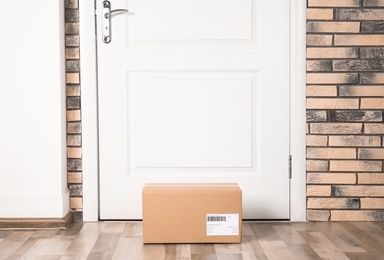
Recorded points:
345,90
74,153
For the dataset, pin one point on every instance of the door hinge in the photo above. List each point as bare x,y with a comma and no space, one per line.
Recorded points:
290,166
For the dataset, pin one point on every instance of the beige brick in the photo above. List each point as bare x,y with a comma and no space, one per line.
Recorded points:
73,115
362,91
317,140
319,40
332,103
355,166
336,128
374,128
373,2
319,65
333,27
74,128
73,90
333,3
73,78
356,215
75,177
331,153
372,78
352,140
71,4
331,78
371,178
72,41
359,40
318,190
318,91
76,203
359,191
371,153
372,103
318,215
317,166
72,53
74,152
74,140
316,115
324,53
332,203
331,178
360,14
372,203
319,14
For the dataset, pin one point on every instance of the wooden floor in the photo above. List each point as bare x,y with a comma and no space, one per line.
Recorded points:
123,240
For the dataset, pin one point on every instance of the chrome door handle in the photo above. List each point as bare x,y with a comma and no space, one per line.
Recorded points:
107,14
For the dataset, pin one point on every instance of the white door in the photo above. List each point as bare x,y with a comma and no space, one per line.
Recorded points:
194,91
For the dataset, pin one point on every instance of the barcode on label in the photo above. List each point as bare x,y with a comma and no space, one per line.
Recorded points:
216,218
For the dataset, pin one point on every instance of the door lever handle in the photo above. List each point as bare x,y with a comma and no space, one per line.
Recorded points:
110,13
106,19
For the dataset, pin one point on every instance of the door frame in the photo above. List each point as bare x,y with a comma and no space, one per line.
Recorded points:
88,64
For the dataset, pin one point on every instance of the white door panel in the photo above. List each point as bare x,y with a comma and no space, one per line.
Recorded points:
195,91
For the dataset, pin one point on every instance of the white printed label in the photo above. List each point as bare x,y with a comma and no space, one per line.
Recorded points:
222,224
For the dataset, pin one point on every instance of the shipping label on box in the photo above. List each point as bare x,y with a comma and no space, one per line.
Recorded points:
222,224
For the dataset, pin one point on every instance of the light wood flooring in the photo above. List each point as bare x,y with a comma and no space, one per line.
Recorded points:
123,240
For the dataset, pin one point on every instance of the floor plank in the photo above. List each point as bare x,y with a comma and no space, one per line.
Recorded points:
261,241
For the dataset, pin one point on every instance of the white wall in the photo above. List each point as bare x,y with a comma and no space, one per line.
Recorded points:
32,110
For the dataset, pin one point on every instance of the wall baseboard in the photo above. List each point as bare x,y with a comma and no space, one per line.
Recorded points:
36,223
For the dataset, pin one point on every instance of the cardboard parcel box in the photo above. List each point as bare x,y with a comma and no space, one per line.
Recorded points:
192,213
